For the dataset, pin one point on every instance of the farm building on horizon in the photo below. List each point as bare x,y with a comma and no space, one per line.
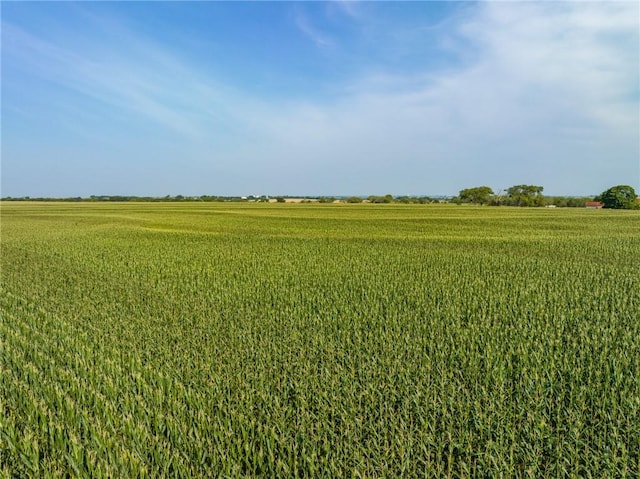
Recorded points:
594,204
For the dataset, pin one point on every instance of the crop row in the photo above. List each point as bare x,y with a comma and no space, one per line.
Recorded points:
135,346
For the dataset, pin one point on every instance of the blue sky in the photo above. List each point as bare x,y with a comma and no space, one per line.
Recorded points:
318,98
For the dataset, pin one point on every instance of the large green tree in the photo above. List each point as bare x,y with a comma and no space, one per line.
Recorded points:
477,195
619,197
525,195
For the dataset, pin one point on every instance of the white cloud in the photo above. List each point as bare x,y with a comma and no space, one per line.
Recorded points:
551,97
310,30
547,94
350,8
134,79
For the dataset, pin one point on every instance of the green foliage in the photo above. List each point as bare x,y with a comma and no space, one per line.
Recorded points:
524,195
380,199
423,200
354,199
568,201
619,197
478,195
256,340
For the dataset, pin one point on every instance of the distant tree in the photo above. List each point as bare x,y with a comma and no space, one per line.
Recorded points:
354,199
380,199
525,195
619,197
478,195
413,200
568,201
280,199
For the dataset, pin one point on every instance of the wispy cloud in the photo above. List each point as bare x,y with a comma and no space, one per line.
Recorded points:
552,94
351,8
312,32
135,79
544,93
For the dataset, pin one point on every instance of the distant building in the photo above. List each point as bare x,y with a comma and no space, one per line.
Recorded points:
594,204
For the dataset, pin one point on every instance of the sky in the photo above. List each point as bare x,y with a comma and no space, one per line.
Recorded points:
318,98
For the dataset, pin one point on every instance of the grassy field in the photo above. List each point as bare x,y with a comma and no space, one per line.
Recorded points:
255,340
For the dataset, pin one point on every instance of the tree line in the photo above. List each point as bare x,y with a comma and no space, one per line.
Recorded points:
616,197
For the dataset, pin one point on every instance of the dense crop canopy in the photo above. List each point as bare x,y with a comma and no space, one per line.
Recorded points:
215,340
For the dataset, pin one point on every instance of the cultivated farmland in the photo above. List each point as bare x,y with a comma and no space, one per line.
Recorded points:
256,340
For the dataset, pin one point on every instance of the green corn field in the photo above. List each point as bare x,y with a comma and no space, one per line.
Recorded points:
152,340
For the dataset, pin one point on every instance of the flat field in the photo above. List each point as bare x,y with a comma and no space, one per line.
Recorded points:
275,340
